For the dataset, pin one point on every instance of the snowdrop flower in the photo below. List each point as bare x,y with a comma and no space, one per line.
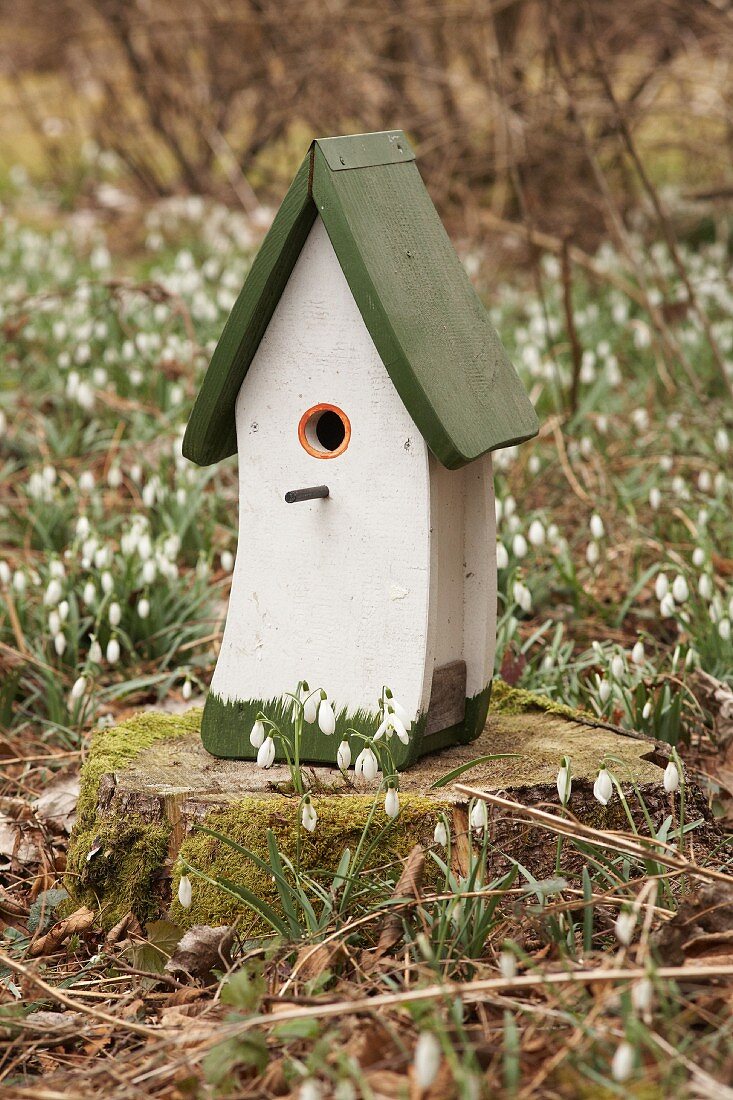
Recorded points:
308,815
427,1060
655,498
113,651
310,1090
624,926
107,582
641,995
266,753
667,606
564,782
502,557
86,481
618,668
326,718
257,735
185,891
704,481
367,764
143,608
536,533
646,712
53,592
622,1064
604,691
115,614
671,778
705,586
637,653
95,651
440,835
479,817
114,477
724,629
698,557
392,802
63,610
392,724
592,554
186,690
680,591
519,545
310,707
19,581
399,710
149,571
722,442
5,573
59,644
661,586
597,529
227,561
522,596
54,622
343,756
603,787
508,965
80,686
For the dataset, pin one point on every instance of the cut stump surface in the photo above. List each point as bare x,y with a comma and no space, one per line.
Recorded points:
148,782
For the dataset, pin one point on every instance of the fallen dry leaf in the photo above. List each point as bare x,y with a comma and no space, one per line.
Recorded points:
56,807
701,929
408,886
80,921
200,951
313,960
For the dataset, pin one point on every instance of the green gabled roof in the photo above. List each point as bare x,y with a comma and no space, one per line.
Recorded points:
426,320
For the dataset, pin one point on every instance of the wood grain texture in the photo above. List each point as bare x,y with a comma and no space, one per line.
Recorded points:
447,697
432,332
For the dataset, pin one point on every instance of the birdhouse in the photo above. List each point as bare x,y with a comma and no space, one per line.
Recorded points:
363,388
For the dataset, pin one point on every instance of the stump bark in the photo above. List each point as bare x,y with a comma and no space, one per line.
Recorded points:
149,782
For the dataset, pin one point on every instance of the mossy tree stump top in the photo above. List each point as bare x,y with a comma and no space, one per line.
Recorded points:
149,781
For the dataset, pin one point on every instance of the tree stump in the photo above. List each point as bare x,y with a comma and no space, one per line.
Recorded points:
148,782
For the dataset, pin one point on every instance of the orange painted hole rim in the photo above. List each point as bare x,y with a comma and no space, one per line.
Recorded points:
308,426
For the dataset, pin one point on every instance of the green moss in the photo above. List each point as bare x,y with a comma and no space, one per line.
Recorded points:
340,824
121,876
115,746
128,860
511,700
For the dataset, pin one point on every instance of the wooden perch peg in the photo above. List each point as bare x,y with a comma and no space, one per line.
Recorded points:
313,493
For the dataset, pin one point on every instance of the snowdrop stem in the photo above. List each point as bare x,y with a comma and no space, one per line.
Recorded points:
680,769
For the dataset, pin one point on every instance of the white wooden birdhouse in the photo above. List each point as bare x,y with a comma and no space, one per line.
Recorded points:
363,388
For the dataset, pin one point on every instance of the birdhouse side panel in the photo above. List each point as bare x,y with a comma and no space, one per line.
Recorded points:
334,591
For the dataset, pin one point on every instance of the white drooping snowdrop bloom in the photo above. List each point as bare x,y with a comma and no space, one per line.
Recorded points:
641,995
115,614
392,802
661,586
564,781
266,753
603,787
107,582
647,710
624,926
310,707
705,586
308,815
186,690
519,545
680,591
227,561
618,667
667,606
343,756
671,779
536,533
257,734
597,529
724,629
698,557
440,835
522,596
390,724
637,654
78,689
655,498
622,1064
326,718
143,607
479,817
185,891
59,644
113,651
508,965
604,690
502,557
427,1060
592,553
367,764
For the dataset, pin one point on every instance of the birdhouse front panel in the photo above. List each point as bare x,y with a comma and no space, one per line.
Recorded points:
326,590
364,389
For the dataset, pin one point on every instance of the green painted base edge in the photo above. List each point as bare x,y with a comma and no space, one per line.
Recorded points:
226,725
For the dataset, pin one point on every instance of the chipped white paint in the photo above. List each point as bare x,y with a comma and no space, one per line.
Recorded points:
352,591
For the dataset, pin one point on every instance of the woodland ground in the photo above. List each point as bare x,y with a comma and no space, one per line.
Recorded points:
616,596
